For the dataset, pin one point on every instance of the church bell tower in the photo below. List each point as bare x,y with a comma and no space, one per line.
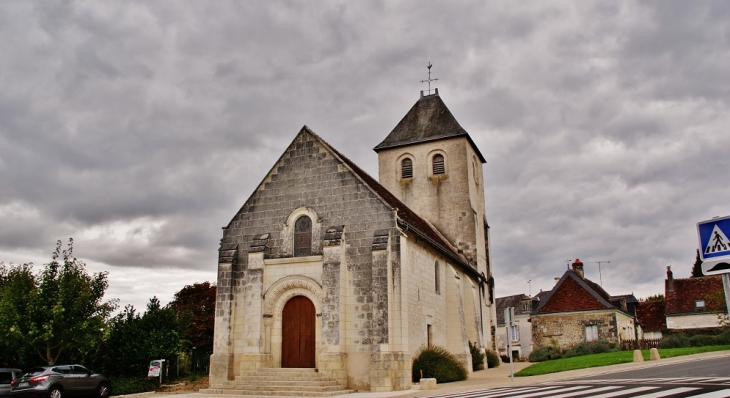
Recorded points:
431,164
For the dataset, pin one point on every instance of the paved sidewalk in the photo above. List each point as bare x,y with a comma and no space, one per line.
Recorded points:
500,377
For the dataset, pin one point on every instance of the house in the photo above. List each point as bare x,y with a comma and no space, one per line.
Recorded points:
521,331
694,303
579,310
651,318
324,267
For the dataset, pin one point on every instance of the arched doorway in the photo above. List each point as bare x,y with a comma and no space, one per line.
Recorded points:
297,333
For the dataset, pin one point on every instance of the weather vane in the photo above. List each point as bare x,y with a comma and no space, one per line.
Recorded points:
429,80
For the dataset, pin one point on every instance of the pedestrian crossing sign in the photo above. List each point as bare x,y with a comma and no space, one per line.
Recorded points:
714,245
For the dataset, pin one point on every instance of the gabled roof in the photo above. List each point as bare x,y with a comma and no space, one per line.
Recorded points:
630,298
407,218
687,290
511,301
428,120
573,293
651,315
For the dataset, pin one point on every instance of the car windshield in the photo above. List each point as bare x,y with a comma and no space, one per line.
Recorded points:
34,372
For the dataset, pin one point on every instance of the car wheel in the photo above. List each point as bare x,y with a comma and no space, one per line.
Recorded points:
55,393
103,390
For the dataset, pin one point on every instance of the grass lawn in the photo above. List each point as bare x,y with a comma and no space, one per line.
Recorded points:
610,358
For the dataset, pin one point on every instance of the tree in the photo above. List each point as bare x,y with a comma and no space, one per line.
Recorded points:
697,267
195,307
136,339
17,286
60,311
656,297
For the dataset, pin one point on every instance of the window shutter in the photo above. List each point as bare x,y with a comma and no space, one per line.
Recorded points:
407,168
438,164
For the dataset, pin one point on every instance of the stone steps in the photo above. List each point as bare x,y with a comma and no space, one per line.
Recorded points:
281,382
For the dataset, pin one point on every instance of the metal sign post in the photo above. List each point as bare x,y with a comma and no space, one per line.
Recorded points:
509,321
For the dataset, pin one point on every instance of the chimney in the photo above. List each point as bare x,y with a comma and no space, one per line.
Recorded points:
578,267
669,284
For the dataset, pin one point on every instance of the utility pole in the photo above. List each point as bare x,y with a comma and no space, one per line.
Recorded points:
599,268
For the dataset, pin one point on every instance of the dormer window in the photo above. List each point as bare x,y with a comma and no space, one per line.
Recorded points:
438,164
303,237
406,168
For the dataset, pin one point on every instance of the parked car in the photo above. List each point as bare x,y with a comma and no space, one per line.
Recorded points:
7,375
60,381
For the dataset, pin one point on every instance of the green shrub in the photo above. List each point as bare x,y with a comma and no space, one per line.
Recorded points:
674,341
597,347
492,359
131,385
545,353
701,340
723,338
436,362
505,358
477,356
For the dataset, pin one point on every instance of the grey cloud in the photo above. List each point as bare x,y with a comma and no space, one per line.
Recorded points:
143,127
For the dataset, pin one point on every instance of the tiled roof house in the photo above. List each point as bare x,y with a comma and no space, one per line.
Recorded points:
694,303
578,310
650,315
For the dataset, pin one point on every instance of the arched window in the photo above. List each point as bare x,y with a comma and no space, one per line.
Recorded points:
438,164
303,237
406,168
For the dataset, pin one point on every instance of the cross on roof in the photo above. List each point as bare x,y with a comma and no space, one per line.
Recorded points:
429,80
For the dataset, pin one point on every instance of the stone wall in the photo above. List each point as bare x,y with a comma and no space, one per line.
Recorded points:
353,317
693,321
566,329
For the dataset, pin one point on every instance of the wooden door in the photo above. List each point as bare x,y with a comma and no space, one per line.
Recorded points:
297,333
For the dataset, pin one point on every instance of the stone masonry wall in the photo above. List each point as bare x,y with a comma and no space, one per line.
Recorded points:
308,175
567,329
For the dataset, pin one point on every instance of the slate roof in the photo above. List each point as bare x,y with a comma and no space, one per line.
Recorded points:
573,293
651,315
407,218
686,290
428,120
510,301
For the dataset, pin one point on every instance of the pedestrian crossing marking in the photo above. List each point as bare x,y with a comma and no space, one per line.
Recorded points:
624,392
666,393
618,389
717,243
714,394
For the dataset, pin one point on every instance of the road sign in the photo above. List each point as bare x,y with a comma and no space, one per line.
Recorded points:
714,245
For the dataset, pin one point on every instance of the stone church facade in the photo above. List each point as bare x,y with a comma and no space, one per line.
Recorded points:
324,267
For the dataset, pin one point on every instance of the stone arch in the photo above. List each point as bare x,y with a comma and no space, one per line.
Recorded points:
444,160
285,288
274,300
287,231
400,166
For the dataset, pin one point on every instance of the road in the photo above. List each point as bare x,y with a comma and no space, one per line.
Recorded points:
711,367
703,378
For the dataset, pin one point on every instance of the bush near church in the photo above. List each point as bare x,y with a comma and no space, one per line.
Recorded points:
438,363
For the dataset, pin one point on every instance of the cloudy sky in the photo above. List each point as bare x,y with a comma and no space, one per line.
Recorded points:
140,128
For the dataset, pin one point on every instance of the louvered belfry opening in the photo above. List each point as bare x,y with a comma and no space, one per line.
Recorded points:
303,237
438,164
407,168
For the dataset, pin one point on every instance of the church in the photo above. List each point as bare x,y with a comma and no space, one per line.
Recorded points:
325,268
